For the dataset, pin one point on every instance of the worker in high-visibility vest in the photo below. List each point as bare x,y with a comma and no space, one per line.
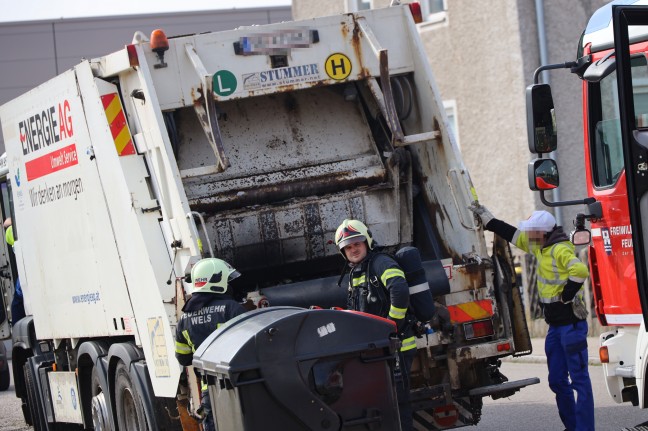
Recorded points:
18,302
377,285
560,277
211,304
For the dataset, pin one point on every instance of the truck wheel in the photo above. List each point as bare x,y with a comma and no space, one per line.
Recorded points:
4,380
98,407
130,410
38,419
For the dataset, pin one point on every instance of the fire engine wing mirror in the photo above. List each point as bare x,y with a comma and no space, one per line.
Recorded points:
543,174
541,119
581,237
600,68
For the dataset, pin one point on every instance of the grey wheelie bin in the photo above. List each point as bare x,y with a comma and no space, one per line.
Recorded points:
287,368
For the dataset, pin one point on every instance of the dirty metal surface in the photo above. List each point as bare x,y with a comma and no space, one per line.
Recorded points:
298,231
304,143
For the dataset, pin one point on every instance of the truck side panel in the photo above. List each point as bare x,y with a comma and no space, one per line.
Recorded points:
72,277
134,224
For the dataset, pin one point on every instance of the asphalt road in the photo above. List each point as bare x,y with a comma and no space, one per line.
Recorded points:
11,418
534,409
531,409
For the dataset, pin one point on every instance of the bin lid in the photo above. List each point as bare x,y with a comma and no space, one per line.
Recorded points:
292,334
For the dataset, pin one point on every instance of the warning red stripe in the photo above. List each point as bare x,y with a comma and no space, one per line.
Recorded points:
118,126
107,99
468,311
51,162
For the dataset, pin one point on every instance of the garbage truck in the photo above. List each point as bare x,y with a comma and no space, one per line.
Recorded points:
611,63
250,145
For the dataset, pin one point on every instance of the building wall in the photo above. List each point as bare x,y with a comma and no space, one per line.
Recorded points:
33,52
483,56
306,9
479,66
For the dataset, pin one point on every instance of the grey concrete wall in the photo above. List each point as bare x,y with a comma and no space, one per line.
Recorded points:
477,61
306,9
31,53
483,57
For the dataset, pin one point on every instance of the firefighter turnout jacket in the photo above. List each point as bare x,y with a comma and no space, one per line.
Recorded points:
377,286
560,274
201,316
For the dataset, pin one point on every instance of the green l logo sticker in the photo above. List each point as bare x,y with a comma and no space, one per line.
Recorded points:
224,83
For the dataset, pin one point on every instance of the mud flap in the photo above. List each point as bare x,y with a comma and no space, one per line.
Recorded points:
509,291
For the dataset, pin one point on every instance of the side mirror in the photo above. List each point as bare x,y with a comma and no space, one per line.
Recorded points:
543,174
541,119
580,236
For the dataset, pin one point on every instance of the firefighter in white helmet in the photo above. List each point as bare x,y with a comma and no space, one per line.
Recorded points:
210,306
377,285
560,278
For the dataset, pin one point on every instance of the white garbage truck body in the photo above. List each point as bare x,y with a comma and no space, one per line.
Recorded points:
251,145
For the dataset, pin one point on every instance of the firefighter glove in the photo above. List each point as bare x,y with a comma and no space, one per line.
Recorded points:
579,308
441,319
481,213
400,325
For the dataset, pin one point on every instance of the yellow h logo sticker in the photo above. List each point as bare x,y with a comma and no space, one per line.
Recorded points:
337,66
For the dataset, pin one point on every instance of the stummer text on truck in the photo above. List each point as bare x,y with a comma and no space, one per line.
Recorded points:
251,145
612,64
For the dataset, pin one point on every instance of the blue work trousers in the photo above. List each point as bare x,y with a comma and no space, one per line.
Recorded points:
566,349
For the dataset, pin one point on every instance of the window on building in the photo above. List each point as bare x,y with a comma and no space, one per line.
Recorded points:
434,11
450,107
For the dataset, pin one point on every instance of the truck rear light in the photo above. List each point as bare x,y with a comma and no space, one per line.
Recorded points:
604,355
504,347
415,8
132,55
478,329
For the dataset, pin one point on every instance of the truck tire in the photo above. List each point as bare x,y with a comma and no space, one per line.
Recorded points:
4,380
36,413
128,402
100,418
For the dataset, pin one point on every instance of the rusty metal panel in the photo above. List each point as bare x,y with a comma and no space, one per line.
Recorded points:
252,75
280,146
299,231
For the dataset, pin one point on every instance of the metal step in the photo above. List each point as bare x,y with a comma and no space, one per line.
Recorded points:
493,389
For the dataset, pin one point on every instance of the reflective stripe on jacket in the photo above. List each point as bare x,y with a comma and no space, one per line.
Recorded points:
201,316
381,290
557,263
